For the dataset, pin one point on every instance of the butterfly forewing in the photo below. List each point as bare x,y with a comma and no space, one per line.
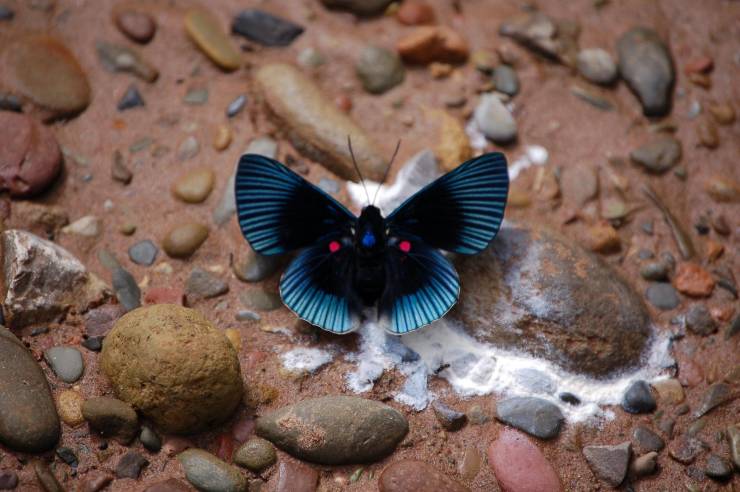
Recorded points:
279,211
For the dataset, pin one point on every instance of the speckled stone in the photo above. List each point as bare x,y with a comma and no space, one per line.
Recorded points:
255,454
206,472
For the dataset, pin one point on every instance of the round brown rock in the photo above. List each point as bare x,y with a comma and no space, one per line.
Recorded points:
194,186
30,159
536,291
174,366
406,475
138,26
183,240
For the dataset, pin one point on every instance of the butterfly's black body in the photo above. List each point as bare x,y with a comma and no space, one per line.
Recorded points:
348,263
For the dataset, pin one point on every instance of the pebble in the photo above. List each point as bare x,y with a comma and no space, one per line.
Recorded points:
236,106
119,171
196,97
662,295
358,7
261,300
429,44
119,58
646,440
685,449
723,114
183,240
296,477
716,395
555,39
10,102
188,148
534,416
494,120
407,475
8,478
654,270
670,391
111,418
94,344
723,190
95,482
316,126
638,398
28,417
658,155
194,186
256,454
265,28
693,280
222,137
334,430
68,456
169,485
46,478
204,285
127,290
644,465
718,468
450,419
169,343
66,362
505,80
204,29
6,13
699,320
251,266
733,439
87,226
138,26
452,143
130,465
707,134
69,406
603,238
591,97
130,99
329,186
597,65
206,472
379,69
520,466
609,463
645,64
143,253
150,439
29,62
244,315
30,155
310,58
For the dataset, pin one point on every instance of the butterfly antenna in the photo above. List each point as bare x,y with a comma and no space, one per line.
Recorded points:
357,168
387,170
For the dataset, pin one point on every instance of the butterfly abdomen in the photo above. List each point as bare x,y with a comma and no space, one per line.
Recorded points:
369,281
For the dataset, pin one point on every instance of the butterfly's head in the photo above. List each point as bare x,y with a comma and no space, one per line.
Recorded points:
370,235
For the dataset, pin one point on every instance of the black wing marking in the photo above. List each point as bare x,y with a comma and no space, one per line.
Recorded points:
279,211
461,211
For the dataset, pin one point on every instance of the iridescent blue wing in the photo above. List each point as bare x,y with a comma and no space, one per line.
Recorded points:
279,211
317,286
461,211
421,285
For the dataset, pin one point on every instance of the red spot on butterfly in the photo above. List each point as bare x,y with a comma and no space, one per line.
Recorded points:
404,246
334,246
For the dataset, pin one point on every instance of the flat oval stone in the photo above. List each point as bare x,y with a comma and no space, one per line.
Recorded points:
538,292
66,362
194,186
32,61
335,430
255,454
28,417
316,127
182,241
534,416
138,26
379,69
206,472
494,120
407,475
204,28
520,466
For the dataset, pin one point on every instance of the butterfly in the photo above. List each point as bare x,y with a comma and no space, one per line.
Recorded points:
347,264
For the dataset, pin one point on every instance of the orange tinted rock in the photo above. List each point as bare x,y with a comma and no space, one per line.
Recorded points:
520,466
437,43
693,280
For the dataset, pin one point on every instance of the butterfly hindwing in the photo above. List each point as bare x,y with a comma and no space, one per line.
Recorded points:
461,211
421,285
317,285
279,211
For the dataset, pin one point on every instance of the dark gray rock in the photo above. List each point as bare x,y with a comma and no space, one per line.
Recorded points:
66,362
716,395
658,155
536,291
130,465
609,463
126,289
68,456
379,69
28,415
10,102
534,416
264,28
663,296
255,454
8,480
654,270
505,80
699,321
646,440
143,253
111,418
358,7
646,64
131,99
6,13
718,468
204,285
638,398
450,419
150,439
206,472
335,430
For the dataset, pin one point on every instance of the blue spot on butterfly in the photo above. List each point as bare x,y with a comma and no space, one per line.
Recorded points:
368,240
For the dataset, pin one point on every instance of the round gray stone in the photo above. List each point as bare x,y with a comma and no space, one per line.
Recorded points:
66,362
534,416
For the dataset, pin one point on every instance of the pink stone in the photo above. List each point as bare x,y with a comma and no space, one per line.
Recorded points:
520,466
296,477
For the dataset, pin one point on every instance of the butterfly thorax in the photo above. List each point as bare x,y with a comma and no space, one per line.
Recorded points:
370,233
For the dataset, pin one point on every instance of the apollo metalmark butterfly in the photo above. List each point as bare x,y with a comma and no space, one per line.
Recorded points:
348,264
